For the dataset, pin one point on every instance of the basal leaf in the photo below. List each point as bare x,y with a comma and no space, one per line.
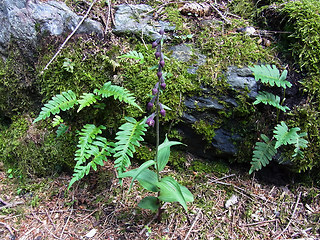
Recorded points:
149,202
172,191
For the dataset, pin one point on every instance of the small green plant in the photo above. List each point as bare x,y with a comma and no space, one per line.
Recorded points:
166,187
68,65
266,149
10,173
134,55
93,149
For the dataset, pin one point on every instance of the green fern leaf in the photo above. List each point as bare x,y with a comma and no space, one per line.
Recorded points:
117,92
88,133
134,55
270,99
262,154
98,150
63,101
62,129
284,135
270,75
86,100
300,144
57,120
128,136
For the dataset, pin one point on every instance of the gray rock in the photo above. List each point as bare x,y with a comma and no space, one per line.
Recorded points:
132,19
223,141
26,22
201,102
241,79
184,53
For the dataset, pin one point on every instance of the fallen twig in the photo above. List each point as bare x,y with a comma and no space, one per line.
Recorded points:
3,202
109,16
219,179
294,212
194,222
70,35
8,227
221,15
258,223
9,205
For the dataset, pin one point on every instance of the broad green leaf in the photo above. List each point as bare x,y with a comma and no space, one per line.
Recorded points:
164,153
136,172
172,191
284,135
149,202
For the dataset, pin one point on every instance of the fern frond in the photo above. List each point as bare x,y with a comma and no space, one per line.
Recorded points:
63,101
62,129
128,136
262,154
98,150
270,99
57,120
270,75
134,55
284,135
86,100
300,144
120,93
88,133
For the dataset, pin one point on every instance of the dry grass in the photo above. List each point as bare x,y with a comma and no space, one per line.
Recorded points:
45,210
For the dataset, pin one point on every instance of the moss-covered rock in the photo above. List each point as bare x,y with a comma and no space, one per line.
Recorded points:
33,151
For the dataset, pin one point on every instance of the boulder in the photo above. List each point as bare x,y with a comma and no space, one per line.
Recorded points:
24,21
135,20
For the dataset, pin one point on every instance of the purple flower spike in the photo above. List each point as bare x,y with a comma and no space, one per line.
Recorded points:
150,106
161,63
154,91
161,31
154,44
159,74
163,112
163,85
157,54
150,121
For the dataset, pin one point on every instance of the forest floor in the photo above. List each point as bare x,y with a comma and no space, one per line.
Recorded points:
99,208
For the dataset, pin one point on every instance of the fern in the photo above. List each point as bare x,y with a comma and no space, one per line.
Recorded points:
62,129
271,99
270,75
117,92
262,154
128,137
284,135
88,133
299,144
86,100
63,101
134,55
90,146
57,120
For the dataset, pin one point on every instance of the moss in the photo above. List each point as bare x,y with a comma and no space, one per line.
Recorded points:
204,128
31,151
17,92
304,23
209,167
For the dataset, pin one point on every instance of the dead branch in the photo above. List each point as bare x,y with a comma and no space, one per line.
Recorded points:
192,226
10,205
220,14
68,38
293,213
8,227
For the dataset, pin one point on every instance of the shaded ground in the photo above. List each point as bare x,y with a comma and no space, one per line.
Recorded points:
46,210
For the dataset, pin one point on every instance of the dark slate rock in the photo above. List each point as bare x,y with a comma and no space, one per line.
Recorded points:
202,102
132,19
223,141
242,78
